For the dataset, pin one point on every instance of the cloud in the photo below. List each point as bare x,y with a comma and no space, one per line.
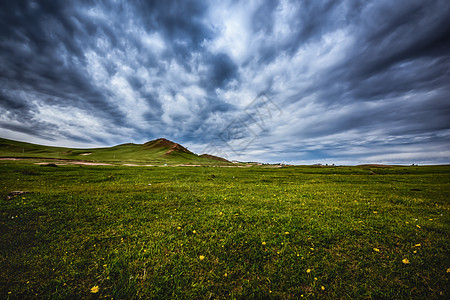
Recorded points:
361,80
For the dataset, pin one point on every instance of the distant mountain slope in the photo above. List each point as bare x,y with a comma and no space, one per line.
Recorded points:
164,143
215,158
159,151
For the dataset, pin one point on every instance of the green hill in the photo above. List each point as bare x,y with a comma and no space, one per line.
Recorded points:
159,151
217,158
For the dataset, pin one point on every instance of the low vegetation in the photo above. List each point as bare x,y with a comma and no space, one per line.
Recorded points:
123,232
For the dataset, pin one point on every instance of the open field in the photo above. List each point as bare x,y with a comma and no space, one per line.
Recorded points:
217,233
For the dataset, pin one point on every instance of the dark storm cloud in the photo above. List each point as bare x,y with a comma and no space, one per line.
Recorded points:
25,128
352,78
42,53
222,70
392,34
312,19
11,103
178,20
400,51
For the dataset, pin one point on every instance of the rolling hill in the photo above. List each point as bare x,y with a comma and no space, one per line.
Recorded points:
159,151
215,158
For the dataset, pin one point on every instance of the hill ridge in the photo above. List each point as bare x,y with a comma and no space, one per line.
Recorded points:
218,158
158,151
165,143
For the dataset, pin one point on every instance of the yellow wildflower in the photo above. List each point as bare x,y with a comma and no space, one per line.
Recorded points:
418,226
376,249
201,257
323,288
308,271
94,289
193,231
417,245
287,232
405,261
264,243
178,228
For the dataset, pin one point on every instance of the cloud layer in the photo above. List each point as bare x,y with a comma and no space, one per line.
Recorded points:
274,81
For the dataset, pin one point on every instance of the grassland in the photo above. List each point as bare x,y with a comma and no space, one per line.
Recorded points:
157,152
221,233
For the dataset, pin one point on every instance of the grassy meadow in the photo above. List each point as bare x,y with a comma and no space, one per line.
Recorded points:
156,152
122,232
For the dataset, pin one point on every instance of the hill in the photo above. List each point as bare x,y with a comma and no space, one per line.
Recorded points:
159,151
215,158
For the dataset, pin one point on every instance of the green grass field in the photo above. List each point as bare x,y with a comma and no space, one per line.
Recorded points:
222,233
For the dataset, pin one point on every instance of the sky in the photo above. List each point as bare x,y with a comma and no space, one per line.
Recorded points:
300,82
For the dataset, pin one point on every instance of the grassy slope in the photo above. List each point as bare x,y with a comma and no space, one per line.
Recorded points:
132,153
208,233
